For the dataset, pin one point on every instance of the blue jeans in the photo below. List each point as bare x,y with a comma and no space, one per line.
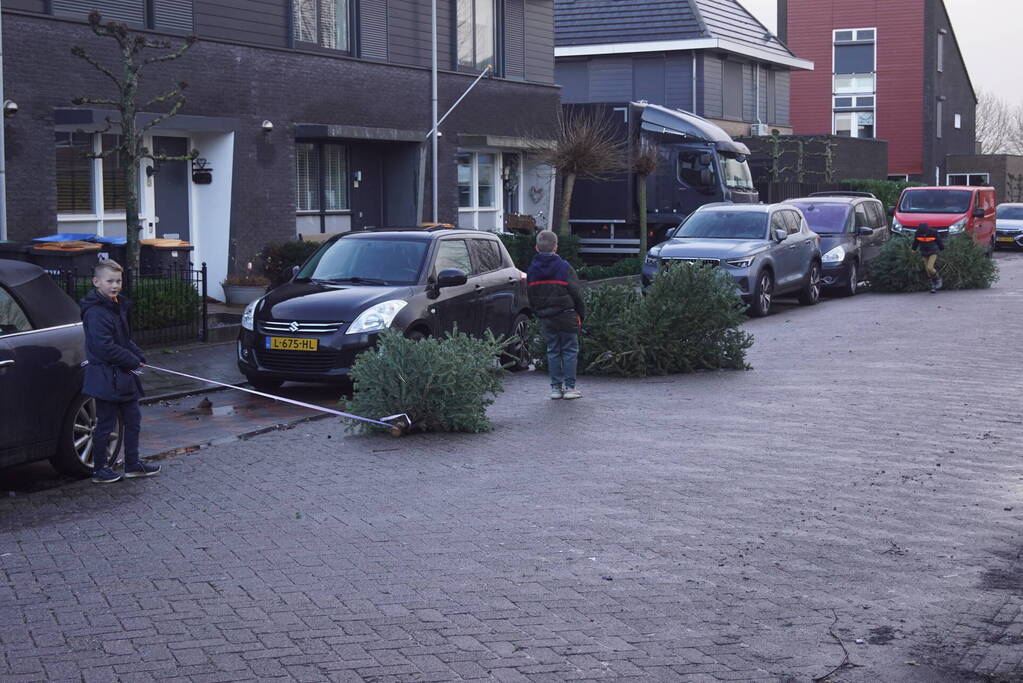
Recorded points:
562,355
106,422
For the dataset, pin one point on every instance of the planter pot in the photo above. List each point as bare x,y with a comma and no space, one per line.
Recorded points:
239,295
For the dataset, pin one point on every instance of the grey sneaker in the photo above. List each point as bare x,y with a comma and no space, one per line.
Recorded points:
572,393
105,475
557,393
141,470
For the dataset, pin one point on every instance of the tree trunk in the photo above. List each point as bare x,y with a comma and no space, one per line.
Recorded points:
641,196
564,228
131,147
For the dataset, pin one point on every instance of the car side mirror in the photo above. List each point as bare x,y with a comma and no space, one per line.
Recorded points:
294,271
864,231
780,234
451,277
978,212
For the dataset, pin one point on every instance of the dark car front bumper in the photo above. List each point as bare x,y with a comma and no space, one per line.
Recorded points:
330,362
834,274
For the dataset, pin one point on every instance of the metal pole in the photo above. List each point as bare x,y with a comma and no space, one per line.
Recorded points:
433,106
3,149
485,71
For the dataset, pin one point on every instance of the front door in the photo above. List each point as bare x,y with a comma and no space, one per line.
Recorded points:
366,178
456,306
170,189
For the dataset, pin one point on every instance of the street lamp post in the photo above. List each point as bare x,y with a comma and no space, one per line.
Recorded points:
433,106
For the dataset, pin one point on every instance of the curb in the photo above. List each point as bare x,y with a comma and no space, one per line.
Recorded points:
184,450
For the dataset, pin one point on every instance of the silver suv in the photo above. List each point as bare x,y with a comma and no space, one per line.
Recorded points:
768,249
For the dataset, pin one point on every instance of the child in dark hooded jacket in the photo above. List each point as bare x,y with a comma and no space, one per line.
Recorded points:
111,376
555,299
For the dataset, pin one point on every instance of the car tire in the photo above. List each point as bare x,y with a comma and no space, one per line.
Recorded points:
810,294
853,285
762,295
74,449
261,384
416,335
516,356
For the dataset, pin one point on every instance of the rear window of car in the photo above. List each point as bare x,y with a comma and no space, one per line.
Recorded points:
824,218
12,317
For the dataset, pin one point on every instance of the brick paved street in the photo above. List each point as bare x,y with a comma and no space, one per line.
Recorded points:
845,493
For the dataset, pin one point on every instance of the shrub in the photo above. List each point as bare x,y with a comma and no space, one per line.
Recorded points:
278,259
963,264
887,191
444,385
626,266
523,248
689,320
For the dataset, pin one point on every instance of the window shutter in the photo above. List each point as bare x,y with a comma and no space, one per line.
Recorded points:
335,178
514,39
74,173
373,29
173,15
129,11
307,177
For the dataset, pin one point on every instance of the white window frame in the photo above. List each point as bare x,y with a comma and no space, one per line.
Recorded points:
863,93
968,174
321,145
899,177
99,213
957,121
475,209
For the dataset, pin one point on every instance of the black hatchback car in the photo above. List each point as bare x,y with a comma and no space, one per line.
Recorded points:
43,414
423,282
853,229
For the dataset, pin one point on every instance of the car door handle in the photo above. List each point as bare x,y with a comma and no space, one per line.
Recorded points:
5,363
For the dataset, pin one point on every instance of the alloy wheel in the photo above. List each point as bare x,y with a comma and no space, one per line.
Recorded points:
84,431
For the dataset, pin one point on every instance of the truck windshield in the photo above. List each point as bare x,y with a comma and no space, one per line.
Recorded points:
728,225
736,172
936,201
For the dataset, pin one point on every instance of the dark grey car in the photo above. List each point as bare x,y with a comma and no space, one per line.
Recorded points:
769,250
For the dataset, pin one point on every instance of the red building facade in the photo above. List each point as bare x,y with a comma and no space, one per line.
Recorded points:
886,70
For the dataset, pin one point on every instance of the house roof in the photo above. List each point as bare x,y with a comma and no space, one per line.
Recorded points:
619,26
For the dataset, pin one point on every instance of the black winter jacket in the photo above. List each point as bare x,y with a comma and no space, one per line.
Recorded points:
927,241
554,293
111,353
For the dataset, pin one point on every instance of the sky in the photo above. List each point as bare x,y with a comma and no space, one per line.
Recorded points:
989,34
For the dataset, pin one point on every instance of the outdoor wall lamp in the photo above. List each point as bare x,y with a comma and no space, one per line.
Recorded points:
268,126
10,107
151,170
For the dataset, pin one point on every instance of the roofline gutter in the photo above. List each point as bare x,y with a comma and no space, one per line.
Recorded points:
693,44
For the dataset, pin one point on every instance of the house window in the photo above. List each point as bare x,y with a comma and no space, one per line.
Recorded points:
478,196
941,52
321,22
321,177
899,177
854,80
939,113
970,179
476,34
957,121
74,173
88,183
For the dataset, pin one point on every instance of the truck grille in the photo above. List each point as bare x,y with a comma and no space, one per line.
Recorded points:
299,327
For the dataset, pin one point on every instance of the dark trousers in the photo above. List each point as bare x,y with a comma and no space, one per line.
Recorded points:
107,413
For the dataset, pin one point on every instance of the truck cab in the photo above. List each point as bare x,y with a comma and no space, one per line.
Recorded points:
698,164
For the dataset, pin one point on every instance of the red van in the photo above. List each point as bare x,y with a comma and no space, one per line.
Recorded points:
951,209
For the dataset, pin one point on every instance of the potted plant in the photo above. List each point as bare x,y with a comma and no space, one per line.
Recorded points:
244,287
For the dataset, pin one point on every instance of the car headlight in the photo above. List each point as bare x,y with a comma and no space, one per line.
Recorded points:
249,315
744,262
378,317
957,227
896,225
836,255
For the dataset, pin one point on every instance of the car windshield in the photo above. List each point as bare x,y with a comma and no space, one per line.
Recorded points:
1011,213
826,219
735,225
736,172
936,201
367,261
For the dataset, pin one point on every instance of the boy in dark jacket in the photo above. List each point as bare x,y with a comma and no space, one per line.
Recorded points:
928,242
111,376
555,300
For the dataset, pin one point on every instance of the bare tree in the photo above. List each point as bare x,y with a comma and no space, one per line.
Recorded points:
999,125
131,151
585,145
644,163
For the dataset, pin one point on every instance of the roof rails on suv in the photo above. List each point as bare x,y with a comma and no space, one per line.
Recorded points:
843,193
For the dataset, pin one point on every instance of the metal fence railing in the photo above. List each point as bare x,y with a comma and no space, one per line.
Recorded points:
168,303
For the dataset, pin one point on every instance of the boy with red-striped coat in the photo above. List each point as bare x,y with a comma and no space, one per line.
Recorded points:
555,299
